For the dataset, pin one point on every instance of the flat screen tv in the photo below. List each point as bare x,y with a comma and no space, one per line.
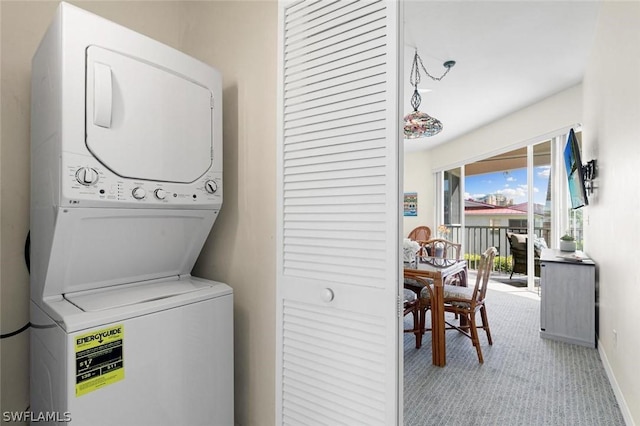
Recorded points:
575,175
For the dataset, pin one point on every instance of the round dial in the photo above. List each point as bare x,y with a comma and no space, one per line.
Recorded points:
160,193
86,176
139,193
211,186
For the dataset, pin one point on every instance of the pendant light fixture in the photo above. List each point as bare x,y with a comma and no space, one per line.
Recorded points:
420,124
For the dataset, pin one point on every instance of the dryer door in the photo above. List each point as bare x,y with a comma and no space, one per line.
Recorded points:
144,121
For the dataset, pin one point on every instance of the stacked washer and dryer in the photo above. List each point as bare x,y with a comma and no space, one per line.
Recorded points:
126,183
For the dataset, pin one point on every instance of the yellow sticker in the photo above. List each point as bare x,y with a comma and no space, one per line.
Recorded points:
99,359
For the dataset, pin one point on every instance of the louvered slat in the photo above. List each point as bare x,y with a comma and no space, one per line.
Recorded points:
364,107
339,143
361,41
363,124
334,108
329,68
335,19
312,103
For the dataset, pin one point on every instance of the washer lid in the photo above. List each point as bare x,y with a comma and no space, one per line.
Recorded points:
144,121
101,300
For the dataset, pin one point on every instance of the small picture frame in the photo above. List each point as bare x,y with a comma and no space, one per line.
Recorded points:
411,204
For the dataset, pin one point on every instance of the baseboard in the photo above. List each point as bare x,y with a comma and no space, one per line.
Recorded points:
624,408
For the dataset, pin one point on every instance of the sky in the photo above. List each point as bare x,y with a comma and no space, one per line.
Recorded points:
512,183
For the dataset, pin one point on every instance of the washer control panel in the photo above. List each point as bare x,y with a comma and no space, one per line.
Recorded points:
88,183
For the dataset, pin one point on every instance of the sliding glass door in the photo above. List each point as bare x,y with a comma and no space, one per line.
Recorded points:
452,205
511,198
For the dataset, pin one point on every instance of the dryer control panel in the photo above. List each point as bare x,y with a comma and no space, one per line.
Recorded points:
88,183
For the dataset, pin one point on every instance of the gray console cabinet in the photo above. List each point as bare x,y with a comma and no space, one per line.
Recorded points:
568,300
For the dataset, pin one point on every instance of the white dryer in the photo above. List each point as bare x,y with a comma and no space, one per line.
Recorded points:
126,159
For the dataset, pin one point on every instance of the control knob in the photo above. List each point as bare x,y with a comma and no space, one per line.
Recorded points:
211,186
160,194
138,193
86,176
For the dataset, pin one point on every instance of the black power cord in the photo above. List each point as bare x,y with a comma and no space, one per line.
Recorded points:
27,251
13,333
27,261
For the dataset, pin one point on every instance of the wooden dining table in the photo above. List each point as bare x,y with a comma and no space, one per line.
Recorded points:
438,270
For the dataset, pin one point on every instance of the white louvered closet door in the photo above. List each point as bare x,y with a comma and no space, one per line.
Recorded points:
338,214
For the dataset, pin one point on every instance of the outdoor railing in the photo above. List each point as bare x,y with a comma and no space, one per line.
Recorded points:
479,238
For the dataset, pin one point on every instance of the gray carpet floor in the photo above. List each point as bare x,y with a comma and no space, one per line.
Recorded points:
525,380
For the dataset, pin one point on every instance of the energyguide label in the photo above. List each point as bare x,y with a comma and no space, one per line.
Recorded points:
99,359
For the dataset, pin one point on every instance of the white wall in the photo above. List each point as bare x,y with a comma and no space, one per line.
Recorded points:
241,39
611,134
417,178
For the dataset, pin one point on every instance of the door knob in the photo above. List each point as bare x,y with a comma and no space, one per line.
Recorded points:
327,295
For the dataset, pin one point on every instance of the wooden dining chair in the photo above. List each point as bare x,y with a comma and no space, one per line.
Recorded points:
416,305
442,249
437,249
467,301
421,233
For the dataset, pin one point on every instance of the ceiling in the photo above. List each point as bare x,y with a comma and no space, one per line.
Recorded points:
516,159
509,54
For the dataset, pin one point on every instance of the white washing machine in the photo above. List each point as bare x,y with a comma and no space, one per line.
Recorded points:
126,160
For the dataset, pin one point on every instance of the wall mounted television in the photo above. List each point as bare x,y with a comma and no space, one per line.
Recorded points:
575,172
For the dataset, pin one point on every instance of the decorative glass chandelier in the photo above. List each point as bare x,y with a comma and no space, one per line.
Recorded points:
420,124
